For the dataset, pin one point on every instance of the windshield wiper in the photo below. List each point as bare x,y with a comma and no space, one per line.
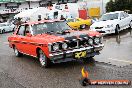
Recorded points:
62,32
50,32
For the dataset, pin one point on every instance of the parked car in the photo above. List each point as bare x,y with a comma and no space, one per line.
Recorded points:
113,22
6,27
54,41
78,23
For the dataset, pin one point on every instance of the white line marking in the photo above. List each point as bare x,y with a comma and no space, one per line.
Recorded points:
126,61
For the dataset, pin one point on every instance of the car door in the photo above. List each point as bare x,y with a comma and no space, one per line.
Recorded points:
7,27
4,27
126,19
11,26
29,46
122,21
19,42
25,40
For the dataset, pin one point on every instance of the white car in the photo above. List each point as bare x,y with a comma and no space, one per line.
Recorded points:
6,27
112,22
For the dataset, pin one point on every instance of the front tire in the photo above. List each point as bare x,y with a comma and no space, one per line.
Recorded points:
3,31
117,30
83,26
130,25
44,61
88,59
17,53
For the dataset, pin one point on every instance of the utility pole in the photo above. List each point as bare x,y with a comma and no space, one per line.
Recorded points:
102,6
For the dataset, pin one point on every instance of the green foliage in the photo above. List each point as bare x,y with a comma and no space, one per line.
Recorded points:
119,5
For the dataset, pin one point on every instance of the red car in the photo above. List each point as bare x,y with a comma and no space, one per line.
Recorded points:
54,41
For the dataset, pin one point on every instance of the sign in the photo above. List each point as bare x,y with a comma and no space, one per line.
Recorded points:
6,1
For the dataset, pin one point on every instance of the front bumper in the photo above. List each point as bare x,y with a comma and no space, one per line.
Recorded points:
105,31
69,55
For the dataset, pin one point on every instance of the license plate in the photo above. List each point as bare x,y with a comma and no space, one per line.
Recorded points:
81,54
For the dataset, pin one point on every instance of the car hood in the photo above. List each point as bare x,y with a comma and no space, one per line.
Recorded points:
50,38
103,23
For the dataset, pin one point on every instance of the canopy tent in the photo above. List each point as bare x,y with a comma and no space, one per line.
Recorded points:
33,14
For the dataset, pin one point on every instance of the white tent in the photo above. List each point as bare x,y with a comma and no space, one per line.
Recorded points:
33,14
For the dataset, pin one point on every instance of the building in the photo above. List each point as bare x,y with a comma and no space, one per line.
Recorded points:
9,8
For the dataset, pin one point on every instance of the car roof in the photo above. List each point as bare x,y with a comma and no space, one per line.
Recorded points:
114,12
42,21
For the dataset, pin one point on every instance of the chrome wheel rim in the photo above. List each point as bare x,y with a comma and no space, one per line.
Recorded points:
42,58
83,26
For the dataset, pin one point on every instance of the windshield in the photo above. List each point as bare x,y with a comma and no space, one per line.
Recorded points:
109,17
2,25
70,20
53,27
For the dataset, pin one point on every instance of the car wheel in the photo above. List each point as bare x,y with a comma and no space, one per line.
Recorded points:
83,26
17,53
3,31
130,25
117,29
88,59
44,61
0,31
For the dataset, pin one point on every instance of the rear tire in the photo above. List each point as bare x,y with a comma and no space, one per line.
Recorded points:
88,59
44,61
17,53
130,25
117,30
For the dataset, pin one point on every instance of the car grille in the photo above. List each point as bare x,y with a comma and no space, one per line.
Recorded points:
72,44
98,27
81,42
101,31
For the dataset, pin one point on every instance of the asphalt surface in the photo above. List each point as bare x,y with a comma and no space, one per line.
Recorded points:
114,62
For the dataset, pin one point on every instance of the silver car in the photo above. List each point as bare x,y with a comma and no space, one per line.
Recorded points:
6,27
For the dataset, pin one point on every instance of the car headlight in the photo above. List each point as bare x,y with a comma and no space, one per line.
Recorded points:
108,26
97,40
64,46
91,28
90,41
55,46
101,40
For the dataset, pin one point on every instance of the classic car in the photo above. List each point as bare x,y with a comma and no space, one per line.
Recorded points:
6,27
53,41
78,23
112,22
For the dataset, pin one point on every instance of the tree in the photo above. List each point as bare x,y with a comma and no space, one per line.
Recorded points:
110,6
119,5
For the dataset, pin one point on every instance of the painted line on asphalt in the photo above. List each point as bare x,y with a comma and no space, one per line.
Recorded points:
126,61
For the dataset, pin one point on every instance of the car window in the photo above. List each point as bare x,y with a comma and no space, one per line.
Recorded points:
53,27
2,25
121,15
21,30
70,20
106,17
125,14
27,29
76,19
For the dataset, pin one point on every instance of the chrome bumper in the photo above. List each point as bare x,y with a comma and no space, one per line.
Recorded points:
98,47
70,53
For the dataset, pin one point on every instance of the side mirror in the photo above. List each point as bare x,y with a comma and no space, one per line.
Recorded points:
28,34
